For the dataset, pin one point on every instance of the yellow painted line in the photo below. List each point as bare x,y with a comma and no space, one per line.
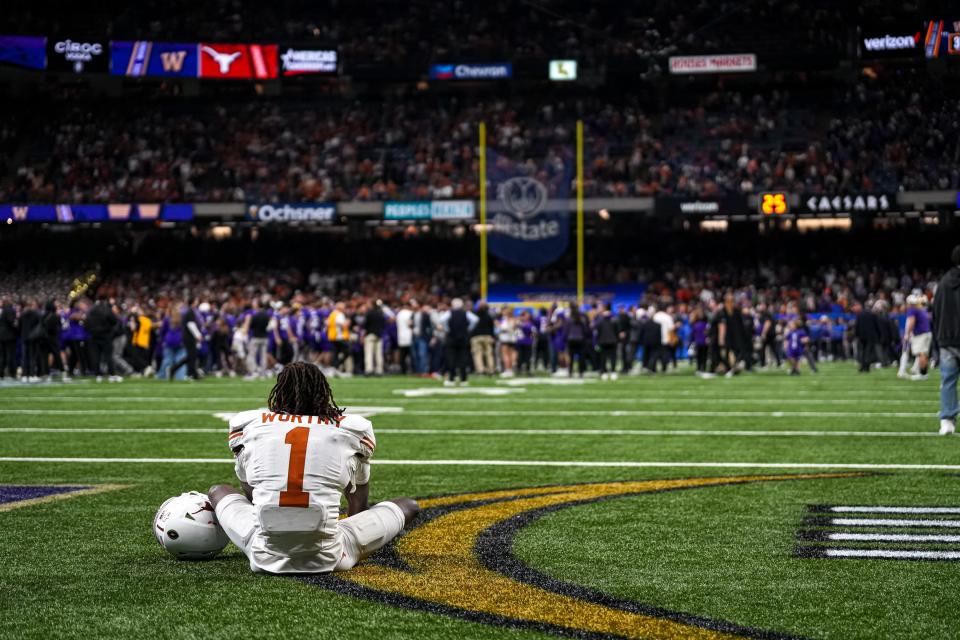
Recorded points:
100,488
444,569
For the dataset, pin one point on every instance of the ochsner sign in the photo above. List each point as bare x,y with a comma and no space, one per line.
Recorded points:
720,63
293,212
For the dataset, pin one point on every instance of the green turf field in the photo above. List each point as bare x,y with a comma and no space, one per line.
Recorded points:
719,535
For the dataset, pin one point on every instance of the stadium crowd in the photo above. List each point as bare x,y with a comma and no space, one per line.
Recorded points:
192,323
420,30
889,135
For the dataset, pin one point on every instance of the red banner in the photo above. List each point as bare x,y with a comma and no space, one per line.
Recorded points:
241,61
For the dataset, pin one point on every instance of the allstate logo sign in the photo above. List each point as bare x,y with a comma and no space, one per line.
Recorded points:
523,197
523,230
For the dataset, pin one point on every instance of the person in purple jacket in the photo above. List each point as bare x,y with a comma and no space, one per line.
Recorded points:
699,328
174,352
558,340
525,338
75,339
917,337
794,345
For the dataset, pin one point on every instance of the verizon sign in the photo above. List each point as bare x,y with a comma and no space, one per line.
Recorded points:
890,43
720,63
883,44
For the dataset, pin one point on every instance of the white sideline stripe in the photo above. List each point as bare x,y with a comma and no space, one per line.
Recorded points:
893,522
200,412
548,412
892,537
540,463
439,397
917,510
892,554
537,432
668,413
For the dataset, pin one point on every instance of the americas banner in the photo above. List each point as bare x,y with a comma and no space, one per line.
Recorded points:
529,222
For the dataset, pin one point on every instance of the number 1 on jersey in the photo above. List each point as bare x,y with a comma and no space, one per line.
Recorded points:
294,495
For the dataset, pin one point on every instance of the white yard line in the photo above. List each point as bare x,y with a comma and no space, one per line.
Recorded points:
892,537
892,554
668,413
736,433
891,522
534,463
882,509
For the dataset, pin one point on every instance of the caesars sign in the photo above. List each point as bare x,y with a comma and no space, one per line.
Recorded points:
293,212
849,203
720,63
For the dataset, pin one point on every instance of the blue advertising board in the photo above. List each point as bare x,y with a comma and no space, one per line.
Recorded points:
471,71
429,210
73,213
23,51
146,58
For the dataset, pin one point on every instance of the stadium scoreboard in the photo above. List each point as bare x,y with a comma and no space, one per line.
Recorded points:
774,204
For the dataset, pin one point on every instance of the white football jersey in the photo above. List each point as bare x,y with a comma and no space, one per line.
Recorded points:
299,466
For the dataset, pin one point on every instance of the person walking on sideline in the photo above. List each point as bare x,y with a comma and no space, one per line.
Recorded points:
946,331
457,324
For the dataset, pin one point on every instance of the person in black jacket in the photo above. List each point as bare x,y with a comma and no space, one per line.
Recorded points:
624,331
605,327
732,336
9,330
650,338
458,323
192,337
946,334
101,323
866,329
50,344
31,336
482,342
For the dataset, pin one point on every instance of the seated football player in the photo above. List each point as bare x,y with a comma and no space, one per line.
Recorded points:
294,460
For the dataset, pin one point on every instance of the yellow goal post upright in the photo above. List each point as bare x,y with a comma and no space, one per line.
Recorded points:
483,212
484,270
579,213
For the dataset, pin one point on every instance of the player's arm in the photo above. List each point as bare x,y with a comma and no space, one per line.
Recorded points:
358,499
358,490
908,329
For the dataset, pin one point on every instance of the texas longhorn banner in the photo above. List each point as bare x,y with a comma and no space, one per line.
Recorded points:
528,203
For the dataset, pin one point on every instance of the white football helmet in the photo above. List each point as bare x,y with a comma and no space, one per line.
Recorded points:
186,526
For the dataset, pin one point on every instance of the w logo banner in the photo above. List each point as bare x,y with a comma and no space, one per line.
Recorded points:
529,219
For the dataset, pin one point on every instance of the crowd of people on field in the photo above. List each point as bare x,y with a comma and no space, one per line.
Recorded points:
882,136
244,324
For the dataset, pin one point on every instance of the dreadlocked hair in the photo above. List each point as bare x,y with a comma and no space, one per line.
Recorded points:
302,389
